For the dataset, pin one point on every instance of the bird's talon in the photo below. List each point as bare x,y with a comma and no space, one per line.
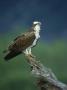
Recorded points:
32,55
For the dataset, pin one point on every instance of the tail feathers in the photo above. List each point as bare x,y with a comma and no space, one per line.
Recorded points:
11,55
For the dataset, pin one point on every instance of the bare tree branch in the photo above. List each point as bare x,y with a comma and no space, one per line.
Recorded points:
46,79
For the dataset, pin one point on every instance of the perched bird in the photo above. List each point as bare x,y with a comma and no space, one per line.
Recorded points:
24,42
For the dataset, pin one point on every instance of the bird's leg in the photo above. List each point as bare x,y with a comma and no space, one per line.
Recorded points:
25,52
30,53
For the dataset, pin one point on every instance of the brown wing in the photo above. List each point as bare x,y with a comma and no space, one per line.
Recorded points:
22,42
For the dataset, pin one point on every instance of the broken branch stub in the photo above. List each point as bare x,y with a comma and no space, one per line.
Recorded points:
46,79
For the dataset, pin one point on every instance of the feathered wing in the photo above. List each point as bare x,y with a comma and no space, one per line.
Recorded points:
19,44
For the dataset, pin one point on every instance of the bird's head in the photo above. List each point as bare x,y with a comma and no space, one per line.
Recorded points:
36,26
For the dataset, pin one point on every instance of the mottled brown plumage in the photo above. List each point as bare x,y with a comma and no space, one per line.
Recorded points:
24,42
19,44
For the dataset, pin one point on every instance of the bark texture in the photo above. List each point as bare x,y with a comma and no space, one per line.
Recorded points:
46,79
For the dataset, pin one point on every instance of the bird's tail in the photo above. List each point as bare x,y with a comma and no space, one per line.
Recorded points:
11,55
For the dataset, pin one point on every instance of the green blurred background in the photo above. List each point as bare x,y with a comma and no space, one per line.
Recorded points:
51,50
15,74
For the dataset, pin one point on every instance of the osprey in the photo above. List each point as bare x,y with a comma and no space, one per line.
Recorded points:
24,42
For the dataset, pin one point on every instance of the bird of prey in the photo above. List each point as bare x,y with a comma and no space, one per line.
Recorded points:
24,42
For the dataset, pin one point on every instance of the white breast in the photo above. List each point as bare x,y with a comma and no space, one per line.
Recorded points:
37,37
37,30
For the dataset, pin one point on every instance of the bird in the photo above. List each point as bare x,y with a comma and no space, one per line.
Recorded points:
24,42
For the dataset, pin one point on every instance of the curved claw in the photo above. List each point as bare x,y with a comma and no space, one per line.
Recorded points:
33,56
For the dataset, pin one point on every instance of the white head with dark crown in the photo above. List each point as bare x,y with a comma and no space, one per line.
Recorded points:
36,25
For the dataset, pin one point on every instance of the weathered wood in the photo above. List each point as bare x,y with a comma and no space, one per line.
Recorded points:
46,80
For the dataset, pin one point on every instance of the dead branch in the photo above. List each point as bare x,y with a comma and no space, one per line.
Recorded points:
46,80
